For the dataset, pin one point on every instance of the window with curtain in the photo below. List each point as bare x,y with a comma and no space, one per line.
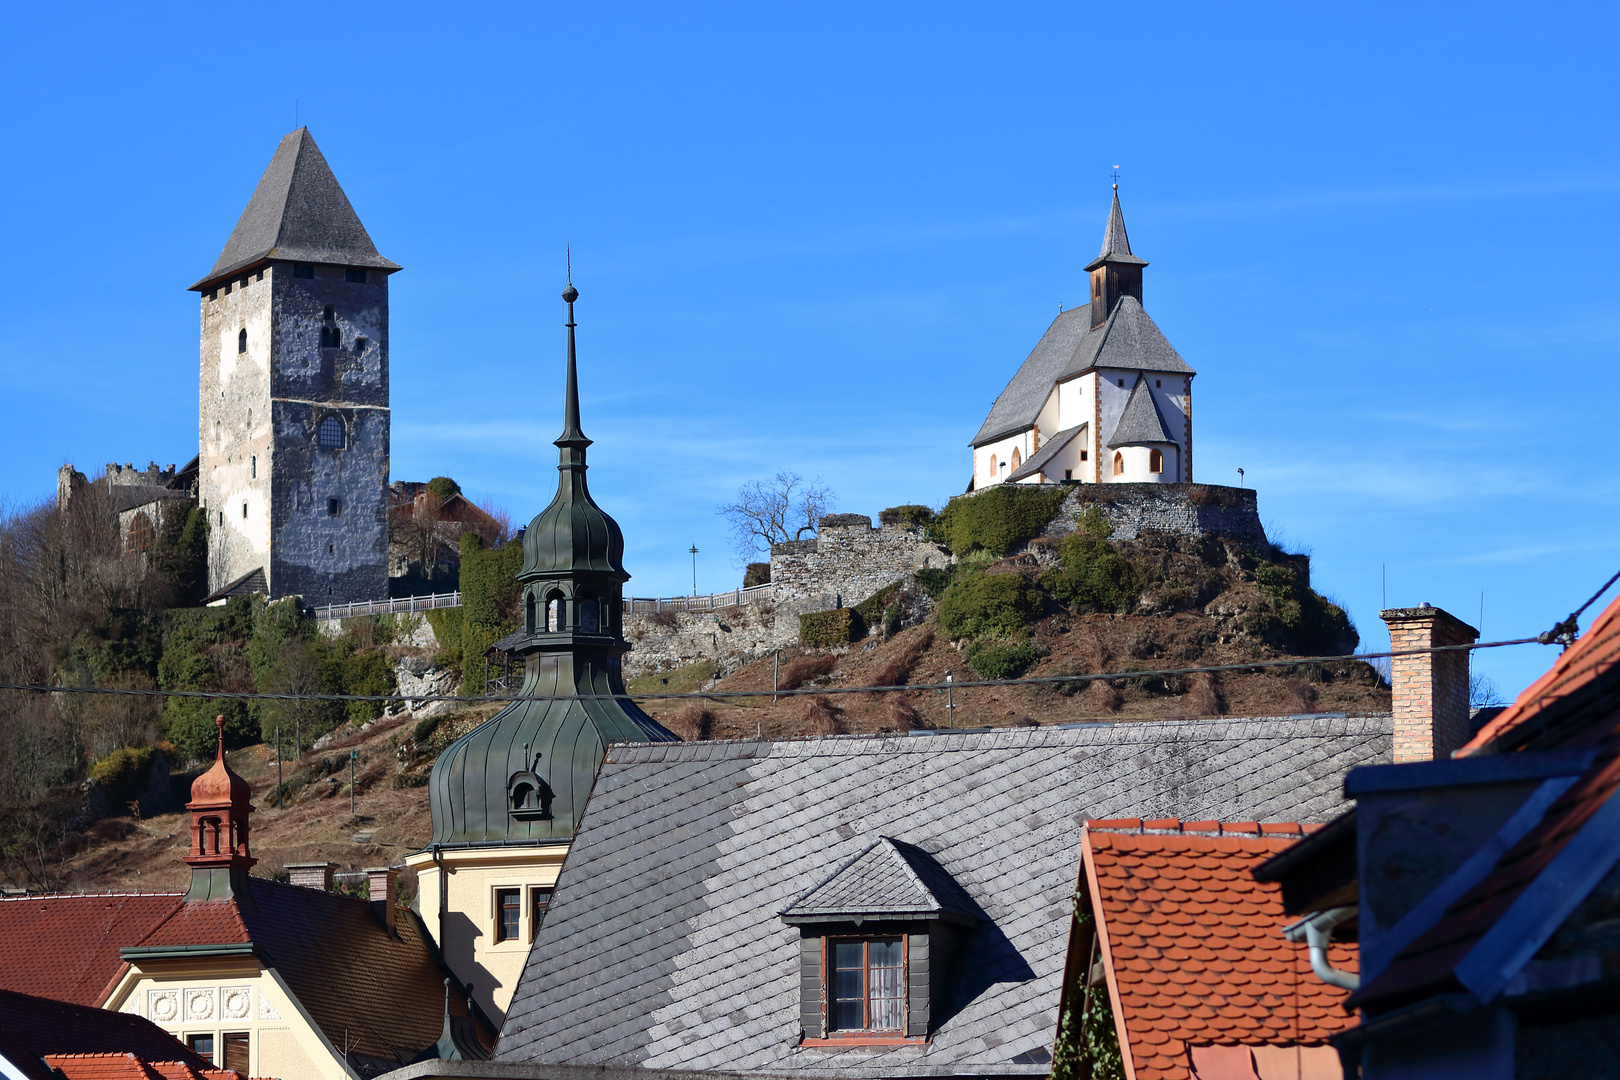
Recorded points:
868,984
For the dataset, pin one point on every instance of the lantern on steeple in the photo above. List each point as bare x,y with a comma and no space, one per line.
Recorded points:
219,856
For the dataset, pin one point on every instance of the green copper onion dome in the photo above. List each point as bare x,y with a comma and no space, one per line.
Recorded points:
523,775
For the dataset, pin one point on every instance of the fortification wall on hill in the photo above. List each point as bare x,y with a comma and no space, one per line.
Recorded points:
1189,509
846,563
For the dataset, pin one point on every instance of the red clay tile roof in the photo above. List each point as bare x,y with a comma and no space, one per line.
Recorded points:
1194,944
33,1027
130,1067
1573,704
201,922
66,947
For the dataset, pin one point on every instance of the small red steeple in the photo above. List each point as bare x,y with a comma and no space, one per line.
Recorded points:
219,817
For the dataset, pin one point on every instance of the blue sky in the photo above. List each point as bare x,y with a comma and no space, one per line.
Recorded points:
822,237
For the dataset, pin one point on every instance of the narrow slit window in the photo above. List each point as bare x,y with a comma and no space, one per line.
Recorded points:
333,507
244,510
241,341
253,466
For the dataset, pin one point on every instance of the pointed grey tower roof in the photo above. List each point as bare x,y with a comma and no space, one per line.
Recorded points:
1141,422
298,212
1116,246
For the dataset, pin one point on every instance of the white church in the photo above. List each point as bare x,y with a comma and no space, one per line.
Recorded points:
1102,399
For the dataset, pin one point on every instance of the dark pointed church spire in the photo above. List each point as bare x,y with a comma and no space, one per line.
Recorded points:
572,435
1115,272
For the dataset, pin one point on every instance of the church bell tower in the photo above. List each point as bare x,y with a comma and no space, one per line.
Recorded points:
507,796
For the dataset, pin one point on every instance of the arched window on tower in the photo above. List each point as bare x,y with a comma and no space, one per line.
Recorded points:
1155,461
554,614
1119,463
241,341
330,435
330,338
528,614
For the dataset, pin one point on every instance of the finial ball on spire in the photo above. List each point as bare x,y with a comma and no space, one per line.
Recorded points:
570,294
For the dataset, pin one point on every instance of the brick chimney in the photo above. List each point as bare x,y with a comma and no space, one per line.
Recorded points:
311,875
1429,691
382,893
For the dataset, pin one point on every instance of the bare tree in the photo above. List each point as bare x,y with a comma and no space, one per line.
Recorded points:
767,512
416,528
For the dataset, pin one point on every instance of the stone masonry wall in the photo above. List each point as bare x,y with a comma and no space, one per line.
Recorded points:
845,564
1189,509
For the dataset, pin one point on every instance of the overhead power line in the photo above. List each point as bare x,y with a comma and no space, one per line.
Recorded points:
1039,680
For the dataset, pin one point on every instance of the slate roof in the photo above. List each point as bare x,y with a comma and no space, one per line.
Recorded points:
1116,245
299,213
1194,947
1049,449
66,947
33,1027
1128,340
1571,705
662,947
889,878
1141,421
249,583
332,952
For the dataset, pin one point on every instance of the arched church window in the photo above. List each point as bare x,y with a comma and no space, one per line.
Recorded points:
330,435
588,623
1119,463
241,341
993,468
1016,458
554,615
330,339
1155,461
528,614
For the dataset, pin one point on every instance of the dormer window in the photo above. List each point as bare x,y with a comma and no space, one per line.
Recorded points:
878,940
528,797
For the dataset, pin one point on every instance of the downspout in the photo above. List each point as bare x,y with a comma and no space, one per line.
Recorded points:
1316,930
444,890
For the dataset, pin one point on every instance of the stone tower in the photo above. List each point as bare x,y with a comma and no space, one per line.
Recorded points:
507,795
293,423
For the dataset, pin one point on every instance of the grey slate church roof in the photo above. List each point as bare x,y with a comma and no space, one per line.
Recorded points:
664,946
1049,450
1141,422
1128,341
298,212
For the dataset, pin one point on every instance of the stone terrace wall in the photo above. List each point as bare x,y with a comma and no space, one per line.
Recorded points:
733,636
1189,509
848,561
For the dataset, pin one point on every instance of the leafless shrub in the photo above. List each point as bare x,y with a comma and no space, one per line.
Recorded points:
767,512
1103,697
904,717
1095,655
898,667
112,829
819,716
1301,695
804,669
692,722
1203,697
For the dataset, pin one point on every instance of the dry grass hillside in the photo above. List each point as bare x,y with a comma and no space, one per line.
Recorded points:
1044,612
